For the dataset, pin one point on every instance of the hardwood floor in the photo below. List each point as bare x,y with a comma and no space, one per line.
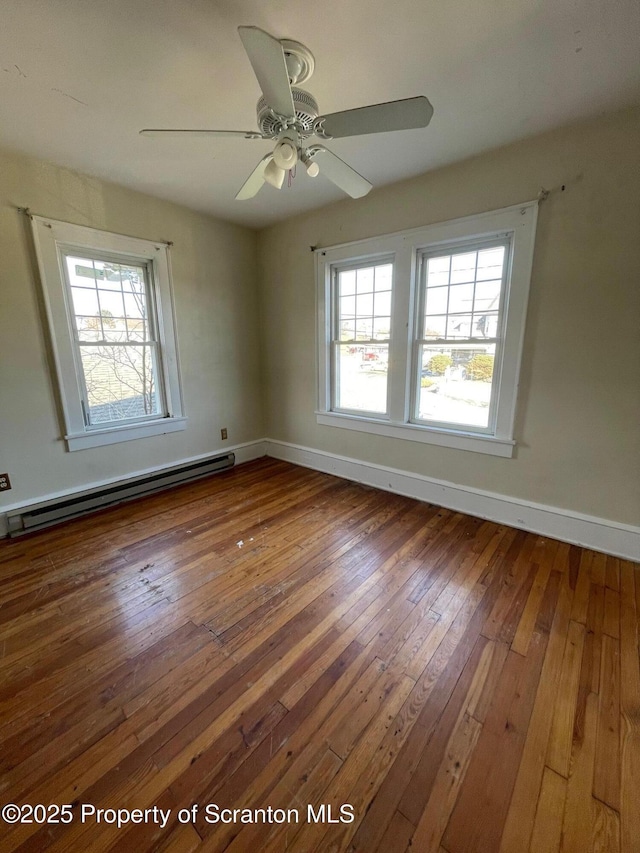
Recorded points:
275,637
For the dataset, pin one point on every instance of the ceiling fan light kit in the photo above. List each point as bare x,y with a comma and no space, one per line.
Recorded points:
313,170
291,115
273,174
285,154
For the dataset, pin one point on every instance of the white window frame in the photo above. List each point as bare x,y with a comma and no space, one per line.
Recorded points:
516,224
52,240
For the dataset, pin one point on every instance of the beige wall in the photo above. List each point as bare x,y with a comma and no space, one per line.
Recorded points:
578,415
578,418
214,288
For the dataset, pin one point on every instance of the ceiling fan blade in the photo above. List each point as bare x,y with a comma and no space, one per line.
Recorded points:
254,182
339,172
266,56
170,132
378,118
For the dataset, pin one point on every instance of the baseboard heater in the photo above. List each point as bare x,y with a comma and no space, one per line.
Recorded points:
48,513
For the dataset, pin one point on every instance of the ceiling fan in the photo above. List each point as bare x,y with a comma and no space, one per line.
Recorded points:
290,116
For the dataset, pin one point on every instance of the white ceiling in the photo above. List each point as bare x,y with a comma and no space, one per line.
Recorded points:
80,78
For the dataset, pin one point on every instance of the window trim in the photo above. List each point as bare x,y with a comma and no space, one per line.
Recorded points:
53,239
517,223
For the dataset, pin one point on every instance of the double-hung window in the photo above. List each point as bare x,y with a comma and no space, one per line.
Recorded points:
420,333
109,304
361,334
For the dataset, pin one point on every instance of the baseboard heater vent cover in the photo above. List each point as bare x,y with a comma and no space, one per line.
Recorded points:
41,515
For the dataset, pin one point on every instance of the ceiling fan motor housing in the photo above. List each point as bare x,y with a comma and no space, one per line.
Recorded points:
306,110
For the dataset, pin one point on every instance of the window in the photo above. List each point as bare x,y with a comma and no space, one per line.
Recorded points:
362,328
420,333
109,304
460,294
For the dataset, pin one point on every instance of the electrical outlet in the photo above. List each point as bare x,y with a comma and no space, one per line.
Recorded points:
223,433
5,482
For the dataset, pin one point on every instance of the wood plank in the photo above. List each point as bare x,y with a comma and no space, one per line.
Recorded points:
582,587
612,573
547,828
521,816
527,621
606,829
398,834
629,710
606,780
479,816
612,613
579,816
465,698
561,735
448,782
183,839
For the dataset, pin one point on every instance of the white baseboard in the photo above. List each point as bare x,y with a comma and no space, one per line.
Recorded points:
244,453
600,534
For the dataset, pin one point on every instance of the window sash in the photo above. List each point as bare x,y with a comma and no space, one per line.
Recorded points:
420,341
152,342
337,341
154,349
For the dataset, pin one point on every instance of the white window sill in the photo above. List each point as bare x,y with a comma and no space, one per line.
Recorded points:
427,435
127,432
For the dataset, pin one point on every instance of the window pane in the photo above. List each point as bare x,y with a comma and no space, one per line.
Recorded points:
383,277
361,378
83,272
136,332
490,263
347,282
485,325
90,332
460,298
382,328
85,301
347,330
435,327
459,326
348,307
455,384
364,329
365,304
487,296
437,300
438,271
364,280
113,330
383,303
463,267
111,304
120,382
